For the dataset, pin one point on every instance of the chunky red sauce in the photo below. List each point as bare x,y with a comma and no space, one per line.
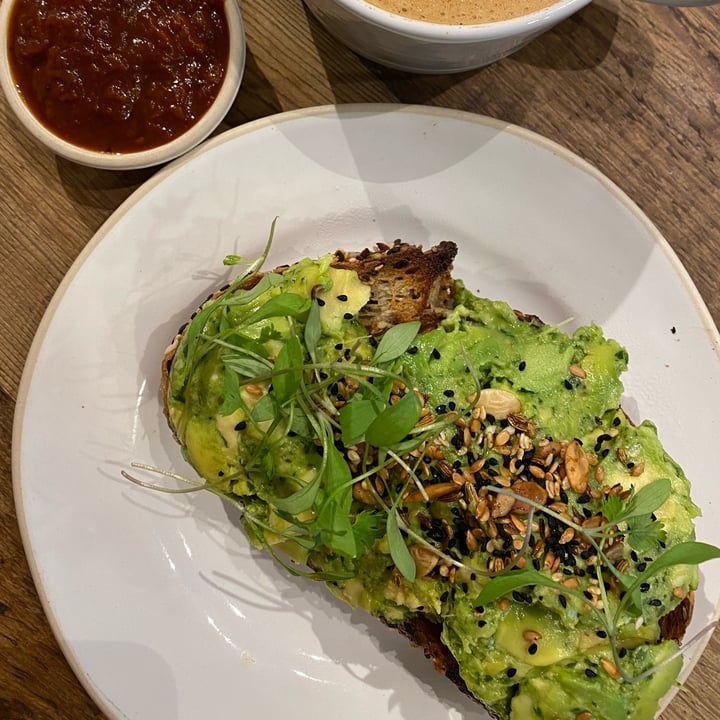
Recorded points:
118,75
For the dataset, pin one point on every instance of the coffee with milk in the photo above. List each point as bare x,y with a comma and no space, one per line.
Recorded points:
461,12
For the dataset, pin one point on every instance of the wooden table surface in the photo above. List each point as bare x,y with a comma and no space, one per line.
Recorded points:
633,88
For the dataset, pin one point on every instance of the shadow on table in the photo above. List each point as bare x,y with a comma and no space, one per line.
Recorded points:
581,42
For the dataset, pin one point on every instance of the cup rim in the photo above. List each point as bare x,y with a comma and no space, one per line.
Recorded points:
160,154
422,29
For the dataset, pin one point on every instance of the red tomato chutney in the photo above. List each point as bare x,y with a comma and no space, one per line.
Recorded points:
118,76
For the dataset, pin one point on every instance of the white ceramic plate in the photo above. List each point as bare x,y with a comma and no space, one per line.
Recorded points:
163,610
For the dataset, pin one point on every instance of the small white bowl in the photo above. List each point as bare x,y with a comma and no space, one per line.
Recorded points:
423,47
145,158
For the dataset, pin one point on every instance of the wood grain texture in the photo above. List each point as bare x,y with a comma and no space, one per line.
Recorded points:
630,87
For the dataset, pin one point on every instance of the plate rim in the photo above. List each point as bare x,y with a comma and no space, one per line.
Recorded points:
337,112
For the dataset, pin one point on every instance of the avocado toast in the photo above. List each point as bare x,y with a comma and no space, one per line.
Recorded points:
462,471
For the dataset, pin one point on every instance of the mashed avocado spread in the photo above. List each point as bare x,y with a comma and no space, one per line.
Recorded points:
480,474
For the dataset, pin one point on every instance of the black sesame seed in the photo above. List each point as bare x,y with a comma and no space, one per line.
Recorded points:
522,365
616,420
511,672
641,567
563,600
633,556
347,354
220,473
482,623
655,602
449,393
644,587
348,316
589,672
622,652
588,594
321,302
479,609
339,346
240,426
342,298
601,634
435,355
584,498
412,350
441,409
532,649
451,405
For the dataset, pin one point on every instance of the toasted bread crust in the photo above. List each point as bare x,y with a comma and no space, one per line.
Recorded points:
408,283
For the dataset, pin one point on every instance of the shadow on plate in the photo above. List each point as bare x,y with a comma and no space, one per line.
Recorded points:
365,648
581,42
120,689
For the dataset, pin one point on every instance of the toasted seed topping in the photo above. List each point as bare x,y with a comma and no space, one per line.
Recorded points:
577,371
610,668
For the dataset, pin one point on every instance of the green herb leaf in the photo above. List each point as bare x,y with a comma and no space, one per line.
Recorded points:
355,418
648,499
394,422
246,365
301,426
287,373
398,549
299,501
507,582
396,341
368,526
282,305
333,518
313,329
685,553
613,508
264,409
231,392
244,345
245,297
644,533
233,259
